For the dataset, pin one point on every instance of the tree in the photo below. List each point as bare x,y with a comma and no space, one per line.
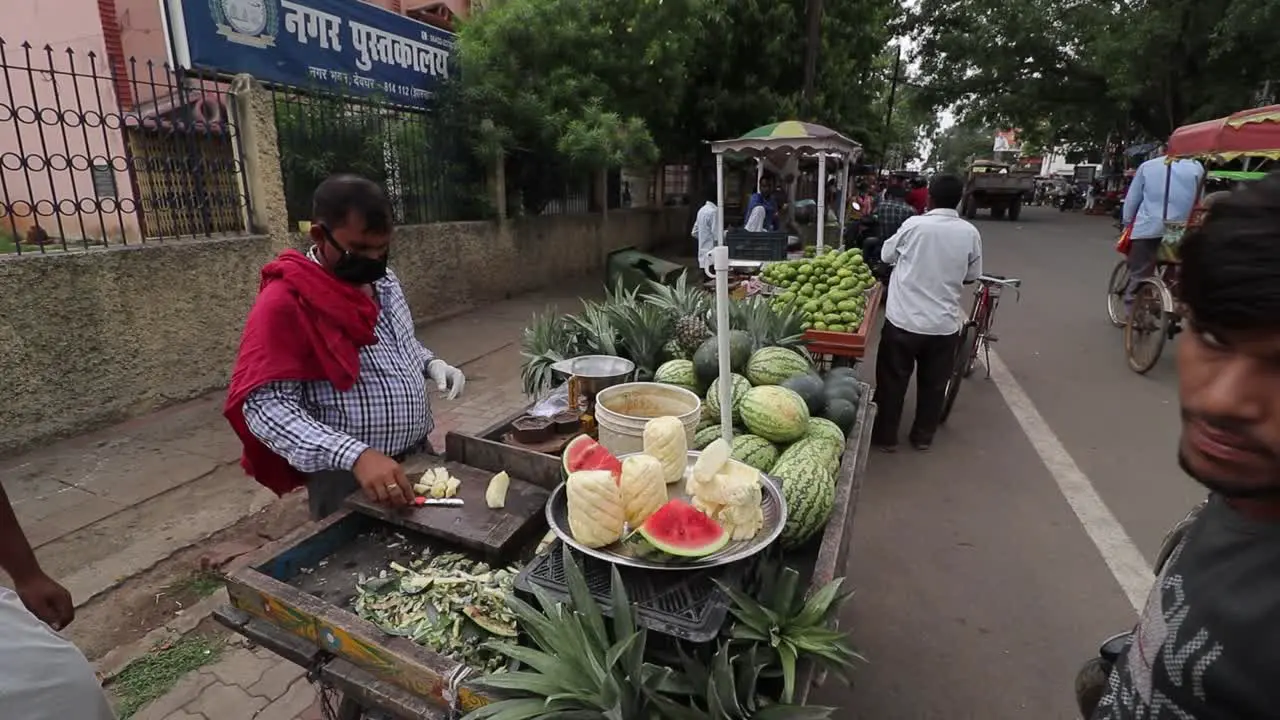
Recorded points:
958,145
596,84
1080,71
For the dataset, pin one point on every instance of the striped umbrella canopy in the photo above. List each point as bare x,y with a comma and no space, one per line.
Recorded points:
788,137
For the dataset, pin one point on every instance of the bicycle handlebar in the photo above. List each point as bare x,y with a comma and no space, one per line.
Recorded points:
997,280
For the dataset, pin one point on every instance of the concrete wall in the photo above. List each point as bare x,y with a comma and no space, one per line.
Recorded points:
92,338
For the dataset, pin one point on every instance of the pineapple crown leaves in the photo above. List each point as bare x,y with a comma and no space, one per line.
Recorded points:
581,666
728,688
793,627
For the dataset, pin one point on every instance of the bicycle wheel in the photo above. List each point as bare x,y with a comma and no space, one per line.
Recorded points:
1147,328
1115,293
966,349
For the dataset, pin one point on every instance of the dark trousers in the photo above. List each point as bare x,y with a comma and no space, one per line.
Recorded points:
931,357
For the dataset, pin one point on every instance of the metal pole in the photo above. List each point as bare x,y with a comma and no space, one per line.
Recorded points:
844,196
822,197
719,200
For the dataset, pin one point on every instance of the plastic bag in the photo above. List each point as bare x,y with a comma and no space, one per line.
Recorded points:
1126,239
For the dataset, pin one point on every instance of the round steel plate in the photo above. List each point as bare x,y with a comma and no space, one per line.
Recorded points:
775,516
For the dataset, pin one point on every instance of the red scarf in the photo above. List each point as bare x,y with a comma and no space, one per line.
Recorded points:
305,325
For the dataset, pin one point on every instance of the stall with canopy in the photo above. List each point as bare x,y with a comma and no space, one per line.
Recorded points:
779,142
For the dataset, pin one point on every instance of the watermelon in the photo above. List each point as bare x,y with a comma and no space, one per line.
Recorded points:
679,373
680,529
707,435
822,427
584,453
843,413
740,387
841,373
843,390
772,365
706,361
809,491
821,450
775,413
754,451
811,388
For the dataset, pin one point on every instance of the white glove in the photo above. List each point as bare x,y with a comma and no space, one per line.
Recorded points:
447,377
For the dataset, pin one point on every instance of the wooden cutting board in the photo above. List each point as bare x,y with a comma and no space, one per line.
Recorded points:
496,534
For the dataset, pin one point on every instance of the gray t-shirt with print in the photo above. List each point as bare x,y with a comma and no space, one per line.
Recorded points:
1208,644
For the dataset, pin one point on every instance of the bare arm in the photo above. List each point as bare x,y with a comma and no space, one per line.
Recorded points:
16,556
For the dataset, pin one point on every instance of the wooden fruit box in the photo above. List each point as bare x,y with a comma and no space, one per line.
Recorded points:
843,344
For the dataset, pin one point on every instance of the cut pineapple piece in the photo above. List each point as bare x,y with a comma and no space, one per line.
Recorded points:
421,489
596,513
665,439
712,459
643,486
451,487
495,496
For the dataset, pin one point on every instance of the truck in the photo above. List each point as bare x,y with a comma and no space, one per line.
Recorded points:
998,186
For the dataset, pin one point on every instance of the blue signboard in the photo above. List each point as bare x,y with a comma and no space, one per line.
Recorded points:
344,45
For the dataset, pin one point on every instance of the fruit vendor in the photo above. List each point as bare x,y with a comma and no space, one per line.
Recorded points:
329,388
933,256
42,675
764,197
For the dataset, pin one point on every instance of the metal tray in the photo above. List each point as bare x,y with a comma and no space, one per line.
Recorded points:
775,517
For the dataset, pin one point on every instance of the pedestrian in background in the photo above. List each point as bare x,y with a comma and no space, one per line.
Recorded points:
933,256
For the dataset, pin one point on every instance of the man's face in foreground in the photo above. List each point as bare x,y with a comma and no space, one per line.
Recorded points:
1229,383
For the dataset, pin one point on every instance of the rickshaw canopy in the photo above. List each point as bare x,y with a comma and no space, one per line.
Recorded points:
1248,133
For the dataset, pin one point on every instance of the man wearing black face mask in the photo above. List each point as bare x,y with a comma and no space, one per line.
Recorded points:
329,388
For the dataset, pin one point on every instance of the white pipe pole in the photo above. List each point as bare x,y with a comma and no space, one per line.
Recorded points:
719,200
721,256
822,197
844,195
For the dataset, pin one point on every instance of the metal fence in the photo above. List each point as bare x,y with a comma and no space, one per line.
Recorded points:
420,156
95,152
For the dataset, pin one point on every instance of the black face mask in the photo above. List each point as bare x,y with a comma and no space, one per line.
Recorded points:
356,269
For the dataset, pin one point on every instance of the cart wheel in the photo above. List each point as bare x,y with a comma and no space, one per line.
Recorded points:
965,352
1115,293
1147,328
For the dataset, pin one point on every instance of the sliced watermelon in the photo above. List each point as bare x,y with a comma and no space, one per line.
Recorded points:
584,453
680,529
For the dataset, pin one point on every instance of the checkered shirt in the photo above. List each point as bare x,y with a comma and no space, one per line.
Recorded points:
314,427
892,212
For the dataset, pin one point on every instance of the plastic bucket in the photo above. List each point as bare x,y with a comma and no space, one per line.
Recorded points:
623,410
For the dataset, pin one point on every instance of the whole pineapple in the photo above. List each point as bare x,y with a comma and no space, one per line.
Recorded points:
690,306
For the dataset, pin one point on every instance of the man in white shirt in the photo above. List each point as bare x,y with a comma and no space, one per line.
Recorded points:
933,255
704,231
42,675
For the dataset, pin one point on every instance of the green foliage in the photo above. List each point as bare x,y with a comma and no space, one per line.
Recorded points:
594,85
1078,71
959,144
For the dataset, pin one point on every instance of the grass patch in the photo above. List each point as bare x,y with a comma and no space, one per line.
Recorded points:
201,583
154,674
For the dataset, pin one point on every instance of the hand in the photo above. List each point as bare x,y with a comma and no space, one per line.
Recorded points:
382,479
47,600
447,377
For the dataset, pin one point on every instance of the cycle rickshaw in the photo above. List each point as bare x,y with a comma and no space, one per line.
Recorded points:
1154,316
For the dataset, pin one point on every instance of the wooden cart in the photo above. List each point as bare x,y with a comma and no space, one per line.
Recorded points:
279,606
837,348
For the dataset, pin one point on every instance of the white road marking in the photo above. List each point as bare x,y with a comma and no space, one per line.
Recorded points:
1122,556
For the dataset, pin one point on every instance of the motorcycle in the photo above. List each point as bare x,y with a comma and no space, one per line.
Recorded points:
1070,200
1091,680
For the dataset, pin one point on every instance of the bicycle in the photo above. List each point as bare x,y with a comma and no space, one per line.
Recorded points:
976,334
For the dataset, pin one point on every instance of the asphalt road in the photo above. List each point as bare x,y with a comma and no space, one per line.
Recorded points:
979,590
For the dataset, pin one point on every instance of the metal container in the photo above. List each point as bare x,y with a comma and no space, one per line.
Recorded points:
589,374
